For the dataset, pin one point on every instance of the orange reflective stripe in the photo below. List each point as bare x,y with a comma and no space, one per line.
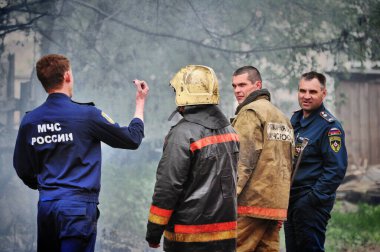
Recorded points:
213,140
160,211
201,237
205,228
159,215
260,211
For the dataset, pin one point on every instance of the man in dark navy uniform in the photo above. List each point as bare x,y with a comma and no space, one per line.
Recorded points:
321,168
58,152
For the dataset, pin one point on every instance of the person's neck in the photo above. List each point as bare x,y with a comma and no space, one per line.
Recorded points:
306,114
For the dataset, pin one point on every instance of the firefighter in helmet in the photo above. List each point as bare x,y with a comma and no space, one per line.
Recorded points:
194,200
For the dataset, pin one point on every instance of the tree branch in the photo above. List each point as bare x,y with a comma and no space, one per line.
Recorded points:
20,7
200,20
6,29
201,44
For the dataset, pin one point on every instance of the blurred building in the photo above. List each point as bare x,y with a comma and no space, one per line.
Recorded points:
358,108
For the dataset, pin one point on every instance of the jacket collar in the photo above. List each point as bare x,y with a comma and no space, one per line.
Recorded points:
64,97
209,116
252,97
56,96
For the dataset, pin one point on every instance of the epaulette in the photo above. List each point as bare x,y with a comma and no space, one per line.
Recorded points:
327,116
84,103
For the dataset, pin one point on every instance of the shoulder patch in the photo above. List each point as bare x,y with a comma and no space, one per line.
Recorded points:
327,116
335,139
335,143
109,119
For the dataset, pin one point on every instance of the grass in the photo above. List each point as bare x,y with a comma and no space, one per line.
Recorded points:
357,230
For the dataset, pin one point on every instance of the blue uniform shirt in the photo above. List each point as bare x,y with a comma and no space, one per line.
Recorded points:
324,161
58,147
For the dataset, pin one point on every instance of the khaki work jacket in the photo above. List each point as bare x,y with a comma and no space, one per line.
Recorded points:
265,160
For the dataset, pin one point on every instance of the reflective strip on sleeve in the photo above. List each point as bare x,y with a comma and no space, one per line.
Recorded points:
203,233
262,212
213,140
188,229
159,215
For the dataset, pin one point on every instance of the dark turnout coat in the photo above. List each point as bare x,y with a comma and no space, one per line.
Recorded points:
194,200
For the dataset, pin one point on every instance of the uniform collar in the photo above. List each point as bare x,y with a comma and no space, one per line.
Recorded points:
56,96
306,121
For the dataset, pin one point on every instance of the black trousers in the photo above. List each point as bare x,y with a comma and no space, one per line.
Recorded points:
305,229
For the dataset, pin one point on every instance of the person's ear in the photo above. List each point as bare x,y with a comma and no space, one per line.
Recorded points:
67,76
259,84
324,93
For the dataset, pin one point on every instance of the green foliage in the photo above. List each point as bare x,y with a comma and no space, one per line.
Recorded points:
353,231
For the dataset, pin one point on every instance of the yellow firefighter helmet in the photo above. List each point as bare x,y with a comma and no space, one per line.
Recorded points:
195,85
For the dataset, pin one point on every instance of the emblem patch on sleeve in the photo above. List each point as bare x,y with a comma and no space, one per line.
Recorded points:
109,119
335,139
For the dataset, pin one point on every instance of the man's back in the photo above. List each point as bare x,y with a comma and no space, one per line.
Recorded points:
61,139
196,180
58,152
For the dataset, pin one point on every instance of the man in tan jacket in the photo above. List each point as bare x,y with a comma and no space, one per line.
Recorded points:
265,163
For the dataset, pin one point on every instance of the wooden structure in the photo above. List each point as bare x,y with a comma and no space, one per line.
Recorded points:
358,108
14,100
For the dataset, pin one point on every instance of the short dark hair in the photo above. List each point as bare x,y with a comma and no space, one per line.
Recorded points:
51,69
311,75
253,73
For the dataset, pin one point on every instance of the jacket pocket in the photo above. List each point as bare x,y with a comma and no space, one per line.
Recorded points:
228,188
76,221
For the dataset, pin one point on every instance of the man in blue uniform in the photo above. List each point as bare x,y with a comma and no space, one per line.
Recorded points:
321,168
58,152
